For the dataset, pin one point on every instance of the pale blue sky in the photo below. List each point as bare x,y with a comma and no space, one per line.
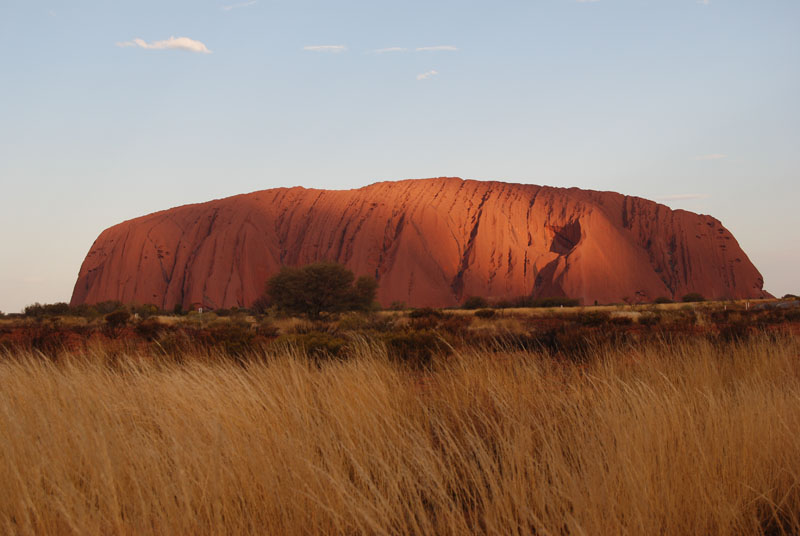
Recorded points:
694,104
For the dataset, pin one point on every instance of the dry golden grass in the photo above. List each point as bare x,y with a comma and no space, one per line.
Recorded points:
693,439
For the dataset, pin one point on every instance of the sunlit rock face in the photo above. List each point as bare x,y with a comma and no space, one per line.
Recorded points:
429,242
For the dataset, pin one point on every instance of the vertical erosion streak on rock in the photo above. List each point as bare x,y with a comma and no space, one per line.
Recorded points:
458,282
469,238
190,266
388,246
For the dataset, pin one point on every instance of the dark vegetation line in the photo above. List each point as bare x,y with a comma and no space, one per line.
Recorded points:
321,308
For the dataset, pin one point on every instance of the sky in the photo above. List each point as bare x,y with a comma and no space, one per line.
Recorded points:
113,110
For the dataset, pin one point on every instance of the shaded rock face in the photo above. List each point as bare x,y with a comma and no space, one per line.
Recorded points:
430,242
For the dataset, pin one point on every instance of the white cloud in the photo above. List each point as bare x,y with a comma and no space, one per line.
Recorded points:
586,1
711,157
51,12
682,197
240,4
438,48
425,76
335,49
173,43
704,2
390,49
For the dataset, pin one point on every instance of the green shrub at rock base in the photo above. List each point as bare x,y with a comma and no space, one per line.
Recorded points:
320,288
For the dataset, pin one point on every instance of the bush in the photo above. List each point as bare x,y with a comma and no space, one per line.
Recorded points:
367,322
261,305
49,338
47,309
475,302
352,322
693,297
455,324
363,298
571,342
319,288
145,311
267,329
592,319
662,299
414,348
485,313
621,320
686,319
398,306
173,342
425,312
316,344
649,319
232,338
792,315
149,329
116,322
85,311
720,317
734,332
109,306
555,301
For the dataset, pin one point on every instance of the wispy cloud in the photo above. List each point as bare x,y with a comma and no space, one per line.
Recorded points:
682,197
335,49
51,12
438,48
704,2
586,1
173,43
711,157
240,4
389,49
426,75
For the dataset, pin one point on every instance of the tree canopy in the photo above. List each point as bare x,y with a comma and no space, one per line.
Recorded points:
322,287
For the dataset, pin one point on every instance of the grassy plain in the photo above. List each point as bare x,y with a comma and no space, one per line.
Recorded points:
668,435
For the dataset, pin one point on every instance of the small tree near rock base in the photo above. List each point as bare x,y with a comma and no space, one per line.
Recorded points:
318,288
